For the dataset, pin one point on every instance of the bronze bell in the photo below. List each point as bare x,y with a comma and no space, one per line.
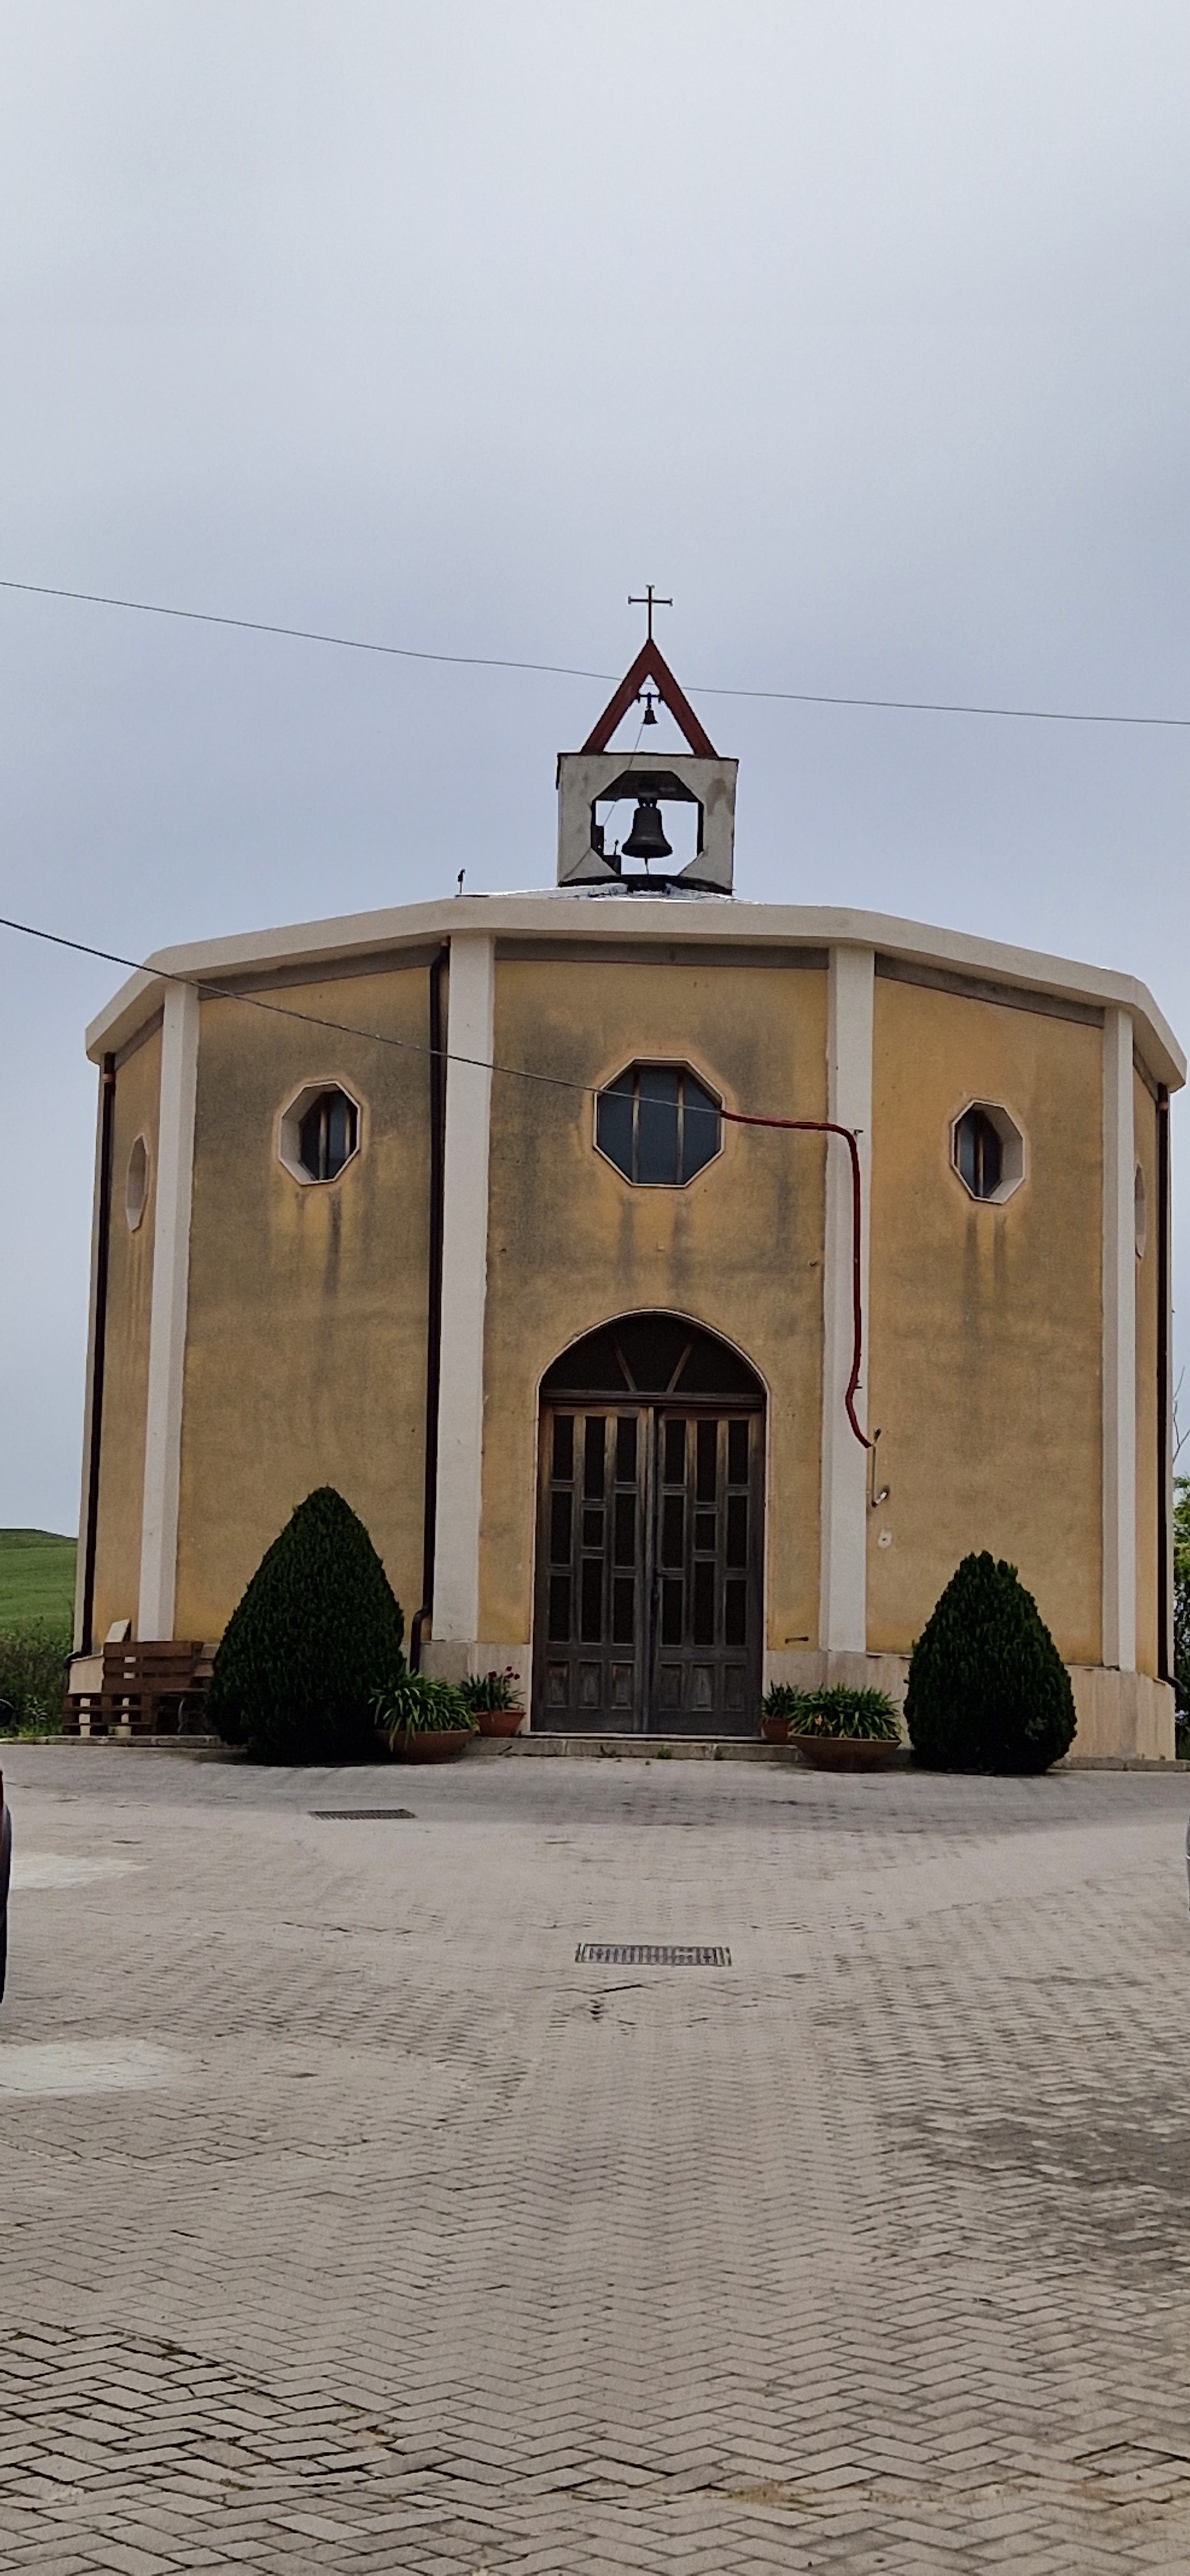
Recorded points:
647,838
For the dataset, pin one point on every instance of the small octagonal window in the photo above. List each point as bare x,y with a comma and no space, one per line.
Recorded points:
319,1132
988,1152
658,1124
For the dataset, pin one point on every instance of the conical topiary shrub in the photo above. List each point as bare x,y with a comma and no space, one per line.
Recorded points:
988,1690
318,1630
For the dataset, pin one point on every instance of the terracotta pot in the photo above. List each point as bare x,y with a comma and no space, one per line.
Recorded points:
437,1744
846,1752
500,1721
775,1730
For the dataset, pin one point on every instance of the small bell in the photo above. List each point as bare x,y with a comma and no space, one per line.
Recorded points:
649,716
647,838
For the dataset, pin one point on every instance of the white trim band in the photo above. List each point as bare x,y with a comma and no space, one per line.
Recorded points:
843,1594
167,1323
471,1027
1118,1648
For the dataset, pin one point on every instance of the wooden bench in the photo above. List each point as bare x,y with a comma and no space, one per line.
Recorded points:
144,1687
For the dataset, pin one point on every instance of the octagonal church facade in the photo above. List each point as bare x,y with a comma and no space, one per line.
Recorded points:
676,1286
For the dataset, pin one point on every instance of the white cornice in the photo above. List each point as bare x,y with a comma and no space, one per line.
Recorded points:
560,916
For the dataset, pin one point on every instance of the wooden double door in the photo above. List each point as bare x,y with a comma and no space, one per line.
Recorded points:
649,1568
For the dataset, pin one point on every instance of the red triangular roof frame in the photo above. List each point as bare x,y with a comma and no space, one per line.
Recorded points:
650,664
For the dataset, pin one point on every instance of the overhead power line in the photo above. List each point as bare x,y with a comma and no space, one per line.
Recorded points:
577,671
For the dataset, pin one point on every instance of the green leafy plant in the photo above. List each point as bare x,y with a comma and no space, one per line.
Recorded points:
316,1633
415,1704
834,1710
841,1711
988,1690
492,1690
32,1679
781,1701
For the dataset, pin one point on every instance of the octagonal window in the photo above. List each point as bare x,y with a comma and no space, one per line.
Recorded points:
658,1124
988,1152
136,1184
319,1132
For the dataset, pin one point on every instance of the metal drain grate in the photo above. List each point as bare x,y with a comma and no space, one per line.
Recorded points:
361,1815
651,1954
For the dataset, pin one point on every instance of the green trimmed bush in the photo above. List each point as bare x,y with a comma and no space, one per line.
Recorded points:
988,1690
317,1632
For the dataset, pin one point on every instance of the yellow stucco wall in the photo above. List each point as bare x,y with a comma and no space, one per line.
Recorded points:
305,1361
571,1244
126,1369
1147,1291
985,1322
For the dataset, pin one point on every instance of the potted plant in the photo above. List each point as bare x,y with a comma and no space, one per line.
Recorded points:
846,1730
495,1702
778,1708
424,1720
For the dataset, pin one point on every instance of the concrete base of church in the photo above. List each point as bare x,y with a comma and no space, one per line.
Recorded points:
1125,1715
1121,1714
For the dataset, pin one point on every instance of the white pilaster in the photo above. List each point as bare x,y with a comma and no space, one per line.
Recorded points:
1119,1345
167,1314
464,1288
843,1598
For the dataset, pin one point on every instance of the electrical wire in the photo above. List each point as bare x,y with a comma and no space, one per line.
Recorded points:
576,671
517,1072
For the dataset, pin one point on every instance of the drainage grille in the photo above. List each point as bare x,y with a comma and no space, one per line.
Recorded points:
651,1954
361,1815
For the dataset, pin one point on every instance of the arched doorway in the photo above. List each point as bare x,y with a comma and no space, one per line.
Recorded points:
647,1617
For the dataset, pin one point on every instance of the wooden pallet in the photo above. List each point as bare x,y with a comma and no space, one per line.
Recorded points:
147,1687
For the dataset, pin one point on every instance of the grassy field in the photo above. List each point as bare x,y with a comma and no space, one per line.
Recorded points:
36,1579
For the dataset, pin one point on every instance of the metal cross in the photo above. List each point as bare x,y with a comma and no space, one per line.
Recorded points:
650,601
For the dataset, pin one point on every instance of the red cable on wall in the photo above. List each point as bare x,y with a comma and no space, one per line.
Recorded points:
829,1127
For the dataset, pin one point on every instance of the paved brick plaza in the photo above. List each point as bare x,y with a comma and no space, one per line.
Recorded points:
348,2223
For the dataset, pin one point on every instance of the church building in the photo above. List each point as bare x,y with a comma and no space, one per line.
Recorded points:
676,1286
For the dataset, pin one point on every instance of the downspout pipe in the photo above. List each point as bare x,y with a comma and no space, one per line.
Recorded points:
1164,1406
107,1123
437,1070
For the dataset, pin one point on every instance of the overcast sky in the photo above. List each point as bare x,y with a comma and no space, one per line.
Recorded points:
860,328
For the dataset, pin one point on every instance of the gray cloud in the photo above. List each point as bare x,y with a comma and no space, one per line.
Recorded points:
860,328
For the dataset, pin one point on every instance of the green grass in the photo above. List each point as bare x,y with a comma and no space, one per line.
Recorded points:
36,1579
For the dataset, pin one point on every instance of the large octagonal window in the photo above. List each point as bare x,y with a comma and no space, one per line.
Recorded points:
658,1124
319,1132
988,1152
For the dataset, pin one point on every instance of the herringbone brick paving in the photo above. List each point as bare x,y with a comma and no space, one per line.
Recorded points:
375,2233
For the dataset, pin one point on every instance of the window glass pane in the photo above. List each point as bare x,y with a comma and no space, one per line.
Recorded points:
592,1600
990,1154
613,1124
708,1442
704,1602
626,1449
593,1456
623,1604
737,1529
700,1127
657,1124
560,1529
559,1609
592,1526
564,1447
625,1550
675,1452
671,1611
736,1613
737,1453
704,1530
673,1515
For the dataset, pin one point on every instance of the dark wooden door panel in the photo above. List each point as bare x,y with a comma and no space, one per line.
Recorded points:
649,1585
